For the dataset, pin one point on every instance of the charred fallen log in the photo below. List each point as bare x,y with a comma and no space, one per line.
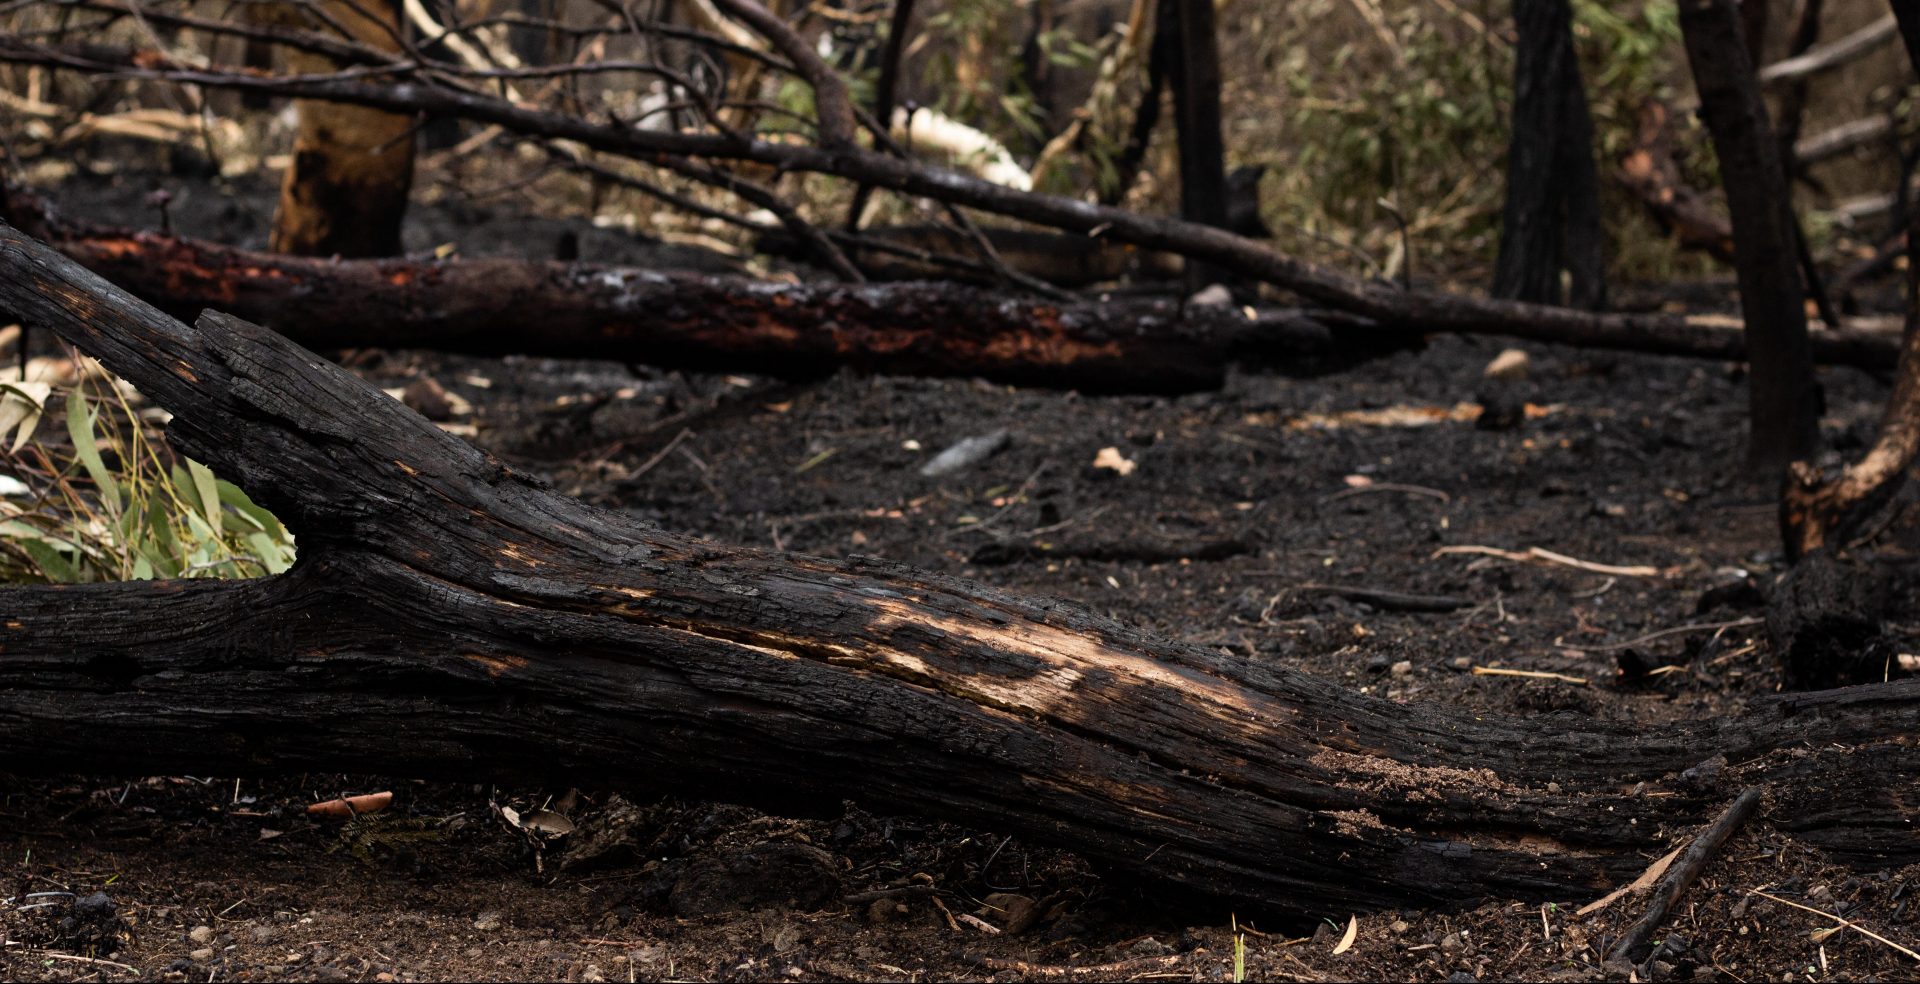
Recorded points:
449,617
682,320
687,320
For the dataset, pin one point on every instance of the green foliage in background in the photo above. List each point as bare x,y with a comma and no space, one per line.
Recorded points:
1406,116
116,505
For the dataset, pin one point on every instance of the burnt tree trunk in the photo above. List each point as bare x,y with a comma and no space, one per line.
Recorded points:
451,618
1194,74
1146,116
1552,218
1783,398
346,191
1818,513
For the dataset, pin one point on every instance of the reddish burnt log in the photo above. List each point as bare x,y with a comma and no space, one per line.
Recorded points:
694,321
451,618
690,321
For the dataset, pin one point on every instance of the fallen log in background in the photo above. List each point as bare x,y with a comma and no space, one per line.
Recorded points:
693,321
1376,301
450,618
688,320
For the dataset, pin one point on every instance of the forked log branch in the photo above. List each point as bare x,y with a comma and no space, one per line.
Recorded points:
451,618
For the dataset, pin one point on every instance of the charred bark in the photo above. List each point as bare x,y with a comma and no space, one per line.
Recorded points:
1552,218
691,321
451,618
1784,400
696,321
1194,75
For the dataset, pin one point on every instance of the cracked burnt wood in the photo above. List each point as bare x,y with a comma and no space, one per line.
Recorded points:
451,618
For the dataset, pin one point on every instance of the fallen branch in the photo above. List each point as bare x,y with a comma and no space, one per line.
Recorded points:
1531,675
1392,601
1662,634
1543,555
1838,140
1632,944
1841,922
1834,54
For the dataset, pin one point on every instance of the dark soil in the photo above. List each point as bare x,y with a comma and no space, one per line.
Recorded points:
1237,501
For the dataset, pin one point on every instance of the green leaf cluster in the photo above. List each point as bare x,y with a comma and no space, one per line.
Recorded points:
116,505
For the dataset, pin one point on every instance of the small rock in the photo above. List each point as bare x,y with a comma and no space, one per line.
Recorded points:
1015,913
592,975
1462,977
1147,946
1403,668
263,934
1212,295
1379,664
202,955
383,977
1509,364
961,454
1450,942
427,397
1500,410
1398,926
1112,460
201,934
487,922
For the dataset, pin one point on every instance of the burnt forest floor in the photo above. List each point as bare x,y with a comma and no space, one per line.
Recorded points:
1211,520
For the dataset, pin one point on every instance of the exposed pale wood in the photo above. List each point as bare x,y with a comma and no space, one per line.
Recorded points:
345,191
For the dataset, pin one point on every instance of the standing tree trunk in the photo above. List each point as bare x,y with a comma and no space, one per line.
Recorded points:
1195,75
1552,218
346,191
1127,165
1784,399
